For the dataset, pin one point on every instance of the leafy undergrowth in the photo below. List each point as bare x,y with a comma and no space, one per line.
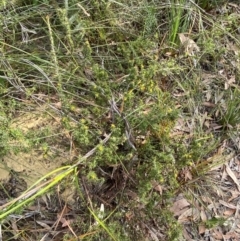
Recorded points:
138,104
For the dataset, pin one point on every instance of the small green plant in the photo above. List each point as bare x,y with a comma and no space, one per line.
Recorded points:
178,19
230,113
215,222
210,4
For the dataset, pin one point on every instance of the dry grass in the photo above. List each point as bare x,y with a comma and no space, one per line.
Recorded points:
153,100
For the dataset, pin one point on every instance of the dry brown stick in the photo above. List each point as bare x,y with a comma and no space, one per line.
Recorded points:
90,153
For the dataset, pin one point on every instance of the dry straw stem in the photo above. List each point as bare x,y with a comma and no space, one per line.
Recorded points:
53,51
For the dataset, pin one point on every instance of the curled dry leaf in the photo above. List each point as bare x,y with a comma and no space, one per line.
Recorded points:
229,205
203,215
178,206
190,47
186,235
232,175
157,187
229,82
231,236
201,229
235,194
189,214
217,235
229,212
